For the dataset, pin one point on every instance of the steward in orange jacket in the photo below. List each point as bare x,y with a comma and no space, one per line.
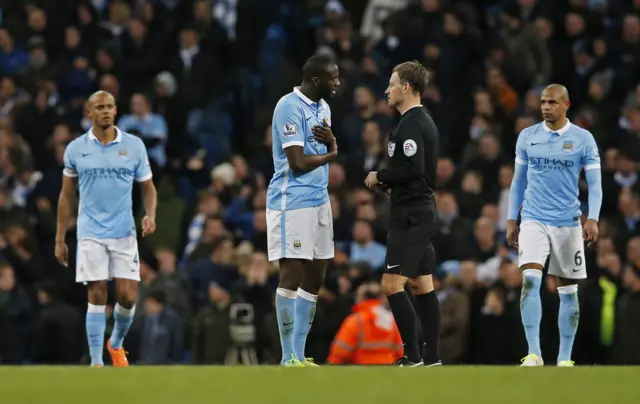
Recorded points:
368,336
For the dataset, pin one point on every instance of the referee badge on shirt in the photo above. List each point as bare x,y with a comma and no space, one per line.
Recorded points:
567,146
290,129
410,147
391,148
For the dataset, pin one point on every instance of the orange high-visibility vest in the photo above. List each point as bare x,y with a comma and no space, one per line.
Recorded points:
369,336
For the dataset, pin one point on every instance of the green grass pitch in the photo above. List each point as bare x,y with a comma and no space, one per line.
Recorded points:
326,385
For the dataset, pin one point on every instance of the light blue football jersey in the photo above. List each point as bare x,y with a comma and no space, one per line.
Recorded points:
105,182
294,116
554,161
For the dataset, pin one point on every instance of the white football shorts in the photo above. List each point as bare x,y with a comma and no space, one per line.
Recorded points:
106,259
564,246
301,233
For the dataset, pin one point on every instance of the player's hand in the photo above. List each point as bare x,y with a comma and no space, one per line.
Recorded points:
323,133
62,253
148,225
371,180
590,232
512,233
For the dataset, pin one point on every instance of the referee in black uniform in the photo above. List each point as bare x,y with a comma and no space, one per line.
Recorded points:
413,152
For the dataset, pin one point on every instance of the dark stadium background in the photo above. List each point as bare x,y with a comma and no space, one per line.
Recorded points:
212,71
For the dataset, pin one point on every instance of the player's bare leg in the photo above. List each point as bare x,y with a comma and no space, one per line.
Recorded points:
307,296
531,312
291,275
405,315
429,312
126,295
568,318
96,320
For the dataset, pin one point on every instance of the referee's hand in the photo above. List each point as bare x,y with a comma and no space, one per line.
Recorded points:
371,180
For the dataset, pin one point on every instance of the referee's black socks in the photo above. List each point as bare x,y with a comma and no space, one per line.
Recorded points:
405,317
429,311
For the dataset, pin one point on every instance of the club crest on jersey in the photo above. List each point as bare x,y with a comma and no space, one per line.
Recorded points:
567,146
290,129
122,153
297,244
391,148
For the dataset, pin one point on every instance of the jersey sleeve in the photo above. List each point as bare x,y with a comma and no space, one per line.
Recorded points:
521,149
287,121
590,154
69,162
143,169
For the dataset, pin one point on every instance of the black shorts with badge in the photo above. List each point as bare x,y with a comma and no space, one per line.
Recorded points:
410,252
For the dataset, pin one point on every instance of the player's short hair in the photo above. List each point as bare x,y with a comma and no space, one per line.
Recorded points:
316,66
413,73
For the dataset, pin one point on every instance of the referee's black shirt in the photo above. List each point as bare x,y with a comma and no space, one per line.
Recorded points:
413,152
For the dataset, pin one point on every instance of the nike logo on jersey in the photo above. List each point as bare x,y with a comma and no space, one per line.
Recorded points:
392,266
85,154
533,144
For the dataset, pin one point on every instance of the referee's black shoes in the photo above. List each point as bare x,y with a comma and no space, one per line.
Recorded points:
405,362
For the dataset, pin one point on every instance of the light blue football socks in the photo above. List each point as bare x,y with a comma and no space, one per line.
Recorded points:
568,319
531,308
305,312
96,323
285,312
123,319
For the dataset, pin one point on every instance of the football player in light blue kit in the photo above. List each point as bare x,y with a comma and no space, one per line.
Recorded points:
103,163
299,219
549,159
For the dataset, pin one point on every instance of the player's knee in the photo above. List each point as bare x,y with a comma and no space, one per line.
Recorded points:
97,293
392,284
126,293
314,276
291,274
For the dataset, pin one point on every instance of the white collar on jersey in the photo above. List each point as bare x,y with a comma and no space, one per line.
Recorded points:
411,107
560,131
306,99
118,138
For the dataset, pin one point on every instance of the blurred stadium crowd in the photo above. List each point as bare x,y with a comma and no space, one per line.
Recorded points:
197,81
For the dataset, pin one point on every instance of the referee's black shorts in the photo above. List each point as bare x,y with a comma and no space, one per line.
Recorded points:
409,249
